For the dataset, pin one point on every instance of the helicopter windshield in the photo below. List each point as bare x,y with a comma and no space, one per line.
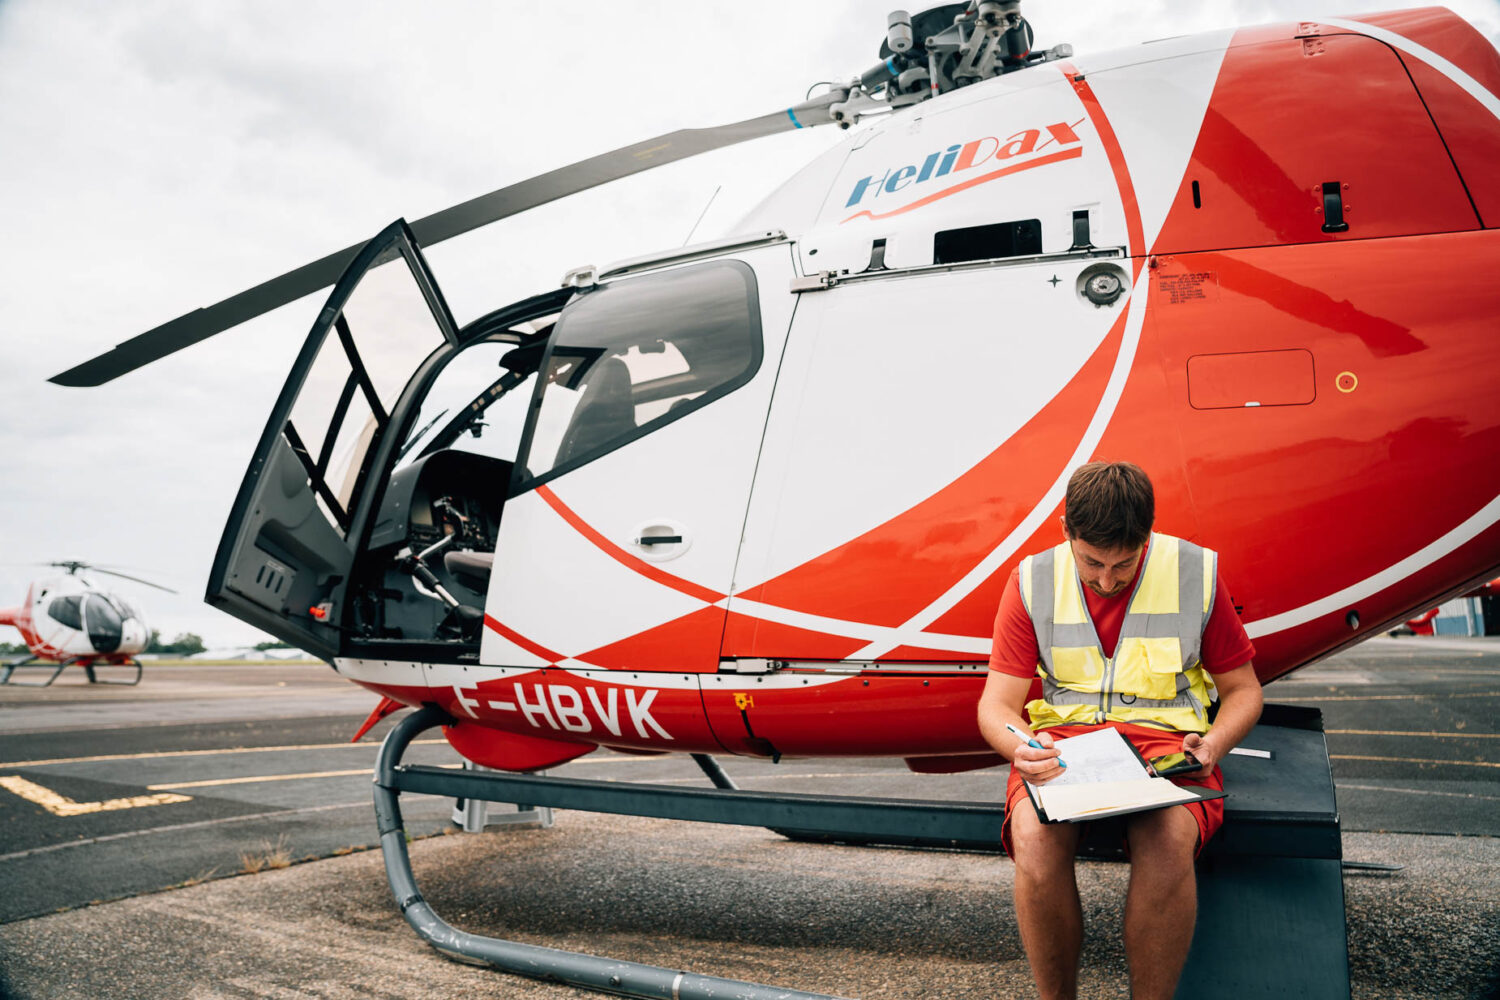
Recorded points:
474,406
123,607
104,625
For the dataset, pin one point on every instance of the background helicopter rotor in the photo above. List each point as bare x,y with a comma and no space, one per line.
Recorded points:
74,565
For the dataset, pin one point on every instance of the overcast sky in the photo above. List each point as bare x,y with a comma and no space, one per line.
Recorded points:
160,155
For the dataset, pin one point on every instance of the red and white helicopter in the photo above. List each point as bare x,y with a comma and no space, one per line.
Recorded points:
759,496
69,620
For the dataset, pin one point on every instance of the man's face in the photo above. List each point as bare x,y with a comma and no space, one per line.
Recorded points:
1106,572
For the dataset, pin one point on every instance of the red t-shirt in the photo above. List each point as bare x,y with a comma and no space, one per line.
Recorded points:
1014,651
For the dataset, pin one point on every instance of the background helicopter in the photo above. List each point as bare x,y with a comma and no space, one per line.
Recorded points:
69,620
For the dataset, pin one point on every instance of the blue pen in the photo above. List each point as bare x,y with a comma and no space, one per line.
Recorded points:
1030,741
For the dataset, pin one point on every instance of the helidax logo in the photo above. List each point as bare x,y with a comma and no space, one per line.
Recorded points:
1013,154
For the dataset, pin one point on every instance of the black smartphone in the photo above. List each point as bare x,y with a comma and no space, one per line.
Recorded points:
1174,763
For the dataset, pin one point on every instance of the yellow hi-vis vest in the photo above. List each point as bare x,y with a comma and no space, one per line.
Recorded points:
1155,677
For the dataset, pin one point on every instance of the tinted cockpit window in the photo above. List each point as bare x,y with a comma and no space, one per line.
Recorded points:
105,629
67,611
637,354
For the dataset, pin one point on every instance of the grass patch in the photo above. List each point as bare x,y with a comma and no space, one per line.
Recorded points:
277,855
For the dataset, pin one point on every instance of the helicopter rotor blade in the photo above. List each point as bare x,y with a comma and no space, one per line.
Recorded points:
127,576
200,324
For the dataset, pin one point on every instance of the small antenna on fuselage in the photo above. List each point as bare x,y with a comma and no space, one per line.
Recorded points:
701,214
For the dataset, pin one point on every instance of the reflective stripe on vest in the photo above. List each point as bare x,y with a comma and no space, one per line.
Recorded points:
1155,677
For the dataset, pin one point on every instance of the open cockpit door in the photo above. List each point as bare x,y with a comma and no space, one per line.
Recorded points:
284,562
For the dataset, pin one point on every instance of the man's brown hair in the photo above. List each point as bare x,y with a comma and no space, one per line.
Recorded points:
1109,505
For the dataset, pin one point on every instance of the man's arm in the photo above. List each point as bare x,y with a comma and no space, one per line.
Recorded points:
1004,700
1239,708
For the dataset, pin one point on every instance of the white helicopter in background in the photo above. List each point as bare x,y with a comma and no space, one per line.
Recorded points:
69,620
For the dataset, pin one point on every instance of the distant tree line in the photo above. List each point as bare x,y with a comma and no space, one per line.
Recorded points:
186,644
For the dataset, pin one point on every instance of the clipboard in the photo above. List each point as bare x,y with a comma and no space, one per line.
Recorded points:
1129,791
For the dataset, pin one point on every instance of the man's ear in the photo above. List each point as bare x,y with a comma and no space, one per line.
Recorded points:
1062,522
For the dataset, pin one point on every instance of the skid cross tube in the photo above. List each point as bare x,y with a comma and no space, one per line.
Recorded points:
822,814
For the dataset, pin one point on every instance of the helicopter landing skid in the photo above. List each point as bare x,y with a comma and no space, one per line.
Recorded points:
58,668
93,679
31,661
820,814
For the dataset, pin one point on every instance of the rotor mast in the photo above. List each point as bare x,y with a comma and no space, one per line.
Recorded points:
939,50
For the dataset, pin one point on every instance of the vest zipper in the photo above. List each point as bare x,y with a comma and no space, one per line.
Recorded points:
1106,691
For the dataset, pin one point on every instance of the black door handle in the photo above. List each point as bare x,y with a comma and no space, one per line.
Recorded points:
1333,208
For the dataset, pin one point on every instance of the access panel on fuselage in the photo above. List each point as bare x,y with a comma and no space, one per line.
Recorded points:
1291,115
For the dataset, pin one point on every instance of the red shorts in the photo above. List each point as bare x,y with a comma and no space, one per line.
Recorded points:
1151,742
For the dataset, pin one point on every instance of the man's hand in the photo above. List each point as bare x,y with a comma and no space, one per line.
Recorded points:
1038,766
1204,752
1239,707
1001,706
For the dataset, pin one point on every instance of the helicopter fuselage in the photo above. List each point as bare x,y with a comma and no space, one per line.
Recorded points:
762,495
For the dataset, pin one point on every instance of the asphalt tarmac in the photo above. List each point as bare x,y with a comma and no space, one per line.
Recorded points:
159,794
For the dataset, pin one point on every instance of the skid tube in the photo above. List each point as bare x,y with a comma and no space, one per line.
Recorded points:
89,669
929,821
32,661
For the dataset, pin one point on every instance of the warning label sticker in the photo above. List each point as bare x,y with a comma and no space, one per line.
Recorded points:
1197,286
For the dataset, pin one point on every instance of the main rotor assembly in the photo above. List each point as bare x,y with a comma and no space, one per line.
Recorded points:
938,50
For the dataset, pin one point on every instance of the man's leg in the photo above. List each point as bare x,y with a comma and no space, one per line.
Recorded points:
1047,908
1162,903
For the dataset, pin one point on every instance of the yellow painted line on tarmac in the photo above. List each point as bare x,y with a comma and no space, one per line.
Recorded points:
201,753
1396,697
1393,732
61,805
1414,760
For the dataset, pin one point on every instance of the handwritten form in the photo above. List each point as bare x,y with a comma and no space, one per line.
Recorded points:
1104,777
1102,755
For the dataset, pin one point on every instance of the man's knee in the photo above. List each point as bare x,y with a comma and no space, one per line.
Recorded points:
1037,847
1164,835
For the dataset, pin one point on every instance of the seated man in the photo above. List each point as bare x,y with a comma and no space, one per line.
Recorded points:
1131,630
